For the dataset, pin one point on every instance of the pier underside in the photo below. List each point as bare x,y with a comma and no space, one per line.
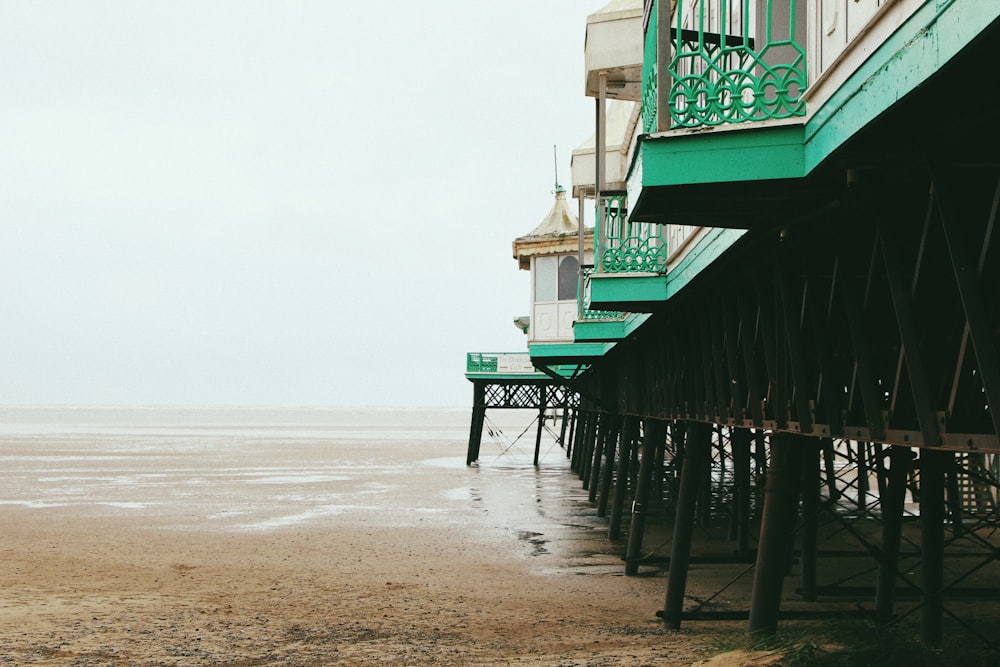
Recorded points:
836,371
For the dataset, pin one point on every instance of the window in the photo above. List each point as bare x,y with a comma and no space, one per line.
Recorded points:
546,286
569,270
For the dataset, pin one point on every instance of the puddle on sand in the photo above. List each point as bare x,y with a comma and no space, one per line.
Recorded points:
536,540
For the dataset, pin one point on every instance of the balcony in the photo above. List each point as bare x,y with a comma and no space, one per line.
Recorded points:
764,91
631,260
500,365
613,51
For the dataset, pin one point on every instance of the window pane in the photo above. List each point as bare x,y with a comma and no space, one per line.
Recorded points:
545,278
568,272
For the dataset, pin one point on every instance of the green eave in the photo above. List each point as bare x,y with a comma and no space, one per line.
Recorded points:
707,250
607,331
643,293
554,354
630,292
503,377
931,37
752,153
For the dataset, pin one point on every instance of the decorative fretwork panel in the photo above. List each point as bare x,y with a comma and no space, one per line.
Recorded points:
720,73
628,247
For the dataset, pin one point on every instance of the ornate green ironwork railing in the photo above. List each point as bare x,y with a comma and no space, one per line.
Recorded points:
628,247
649,84
722,73
499,362
585,312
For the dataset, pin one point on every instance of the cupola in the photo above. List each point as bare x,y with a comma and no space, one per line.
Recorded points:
551,252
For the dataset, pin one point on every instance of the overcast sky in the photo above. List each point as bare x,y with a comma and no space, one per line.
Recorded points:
249,202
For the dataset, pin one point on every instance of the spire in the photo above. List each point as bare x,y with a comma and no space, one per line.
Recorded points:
560,219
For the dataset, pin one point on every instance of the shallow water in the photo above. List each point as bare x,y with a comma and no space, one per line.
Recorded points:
267,470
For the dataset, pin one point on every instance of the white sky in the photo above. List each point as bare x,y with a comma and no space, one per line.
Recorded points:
250,202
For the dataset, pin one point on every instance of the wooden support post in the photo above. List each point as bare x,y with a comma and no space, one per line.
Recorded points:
932,467
699,439
608,469
654,432
776,530
740,440
630,431
893,501
810,517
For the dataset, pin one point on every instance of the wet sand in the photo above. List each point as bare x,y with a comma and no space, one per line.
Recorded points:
298,548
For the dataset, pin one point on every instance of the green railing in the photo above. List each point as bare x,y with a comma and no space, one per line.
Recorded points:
649,87
628,247
721,70
584,296
499,362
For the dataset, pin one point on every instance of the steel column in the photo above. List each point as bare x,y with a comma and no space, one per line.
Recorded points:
653,434
776,532
630,431
892,501
932,468
699,441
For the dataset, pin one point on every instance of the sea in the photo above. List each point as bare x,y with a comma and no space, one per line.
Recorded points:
271,469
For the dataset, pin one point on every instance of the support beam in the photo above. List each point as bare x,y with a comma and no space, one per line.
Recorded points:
967,278
903,307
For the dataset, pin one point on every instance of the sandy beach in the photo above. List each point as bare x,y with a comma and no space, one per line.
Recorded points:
309,544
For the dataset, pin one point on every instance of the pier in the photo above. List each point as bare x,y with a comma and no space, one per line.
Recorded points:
787,328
